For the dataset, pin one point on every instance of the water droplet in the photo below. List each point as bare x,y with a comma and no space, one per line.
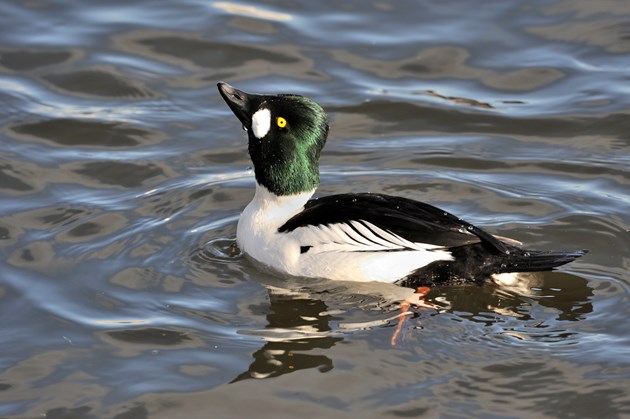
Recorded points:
244,128
219,249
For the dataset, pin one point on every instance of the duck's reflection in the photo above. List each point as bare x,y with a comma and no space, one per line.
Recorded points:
297,326
569,295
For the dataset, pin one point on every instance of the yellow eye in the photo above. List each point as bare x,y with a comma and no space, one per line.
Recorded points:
281,122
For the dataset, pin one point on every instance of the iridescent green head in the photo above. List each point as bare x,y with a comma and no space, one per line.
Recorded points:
286,136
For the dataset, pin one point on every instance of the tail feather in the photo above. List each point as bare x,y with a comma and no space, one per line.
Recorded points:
536,260
476,262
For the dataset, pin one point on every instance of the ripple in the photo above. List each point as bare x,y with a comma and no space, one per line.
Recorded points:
31,59
611,33
100,82
123,174
219,250
94,227
212,60
11,179
251,11
122,177
150,337
451,62
76,132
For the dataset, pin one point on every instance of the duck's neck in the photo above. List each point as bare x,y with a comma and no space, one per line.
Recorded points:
287,172
276,209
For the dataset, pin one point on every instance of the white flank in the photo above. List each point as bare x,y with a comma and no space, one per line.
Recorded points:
261,122
353,251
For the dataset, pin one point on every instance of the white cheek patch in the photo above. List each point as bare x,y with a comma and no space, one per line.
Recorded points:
261,122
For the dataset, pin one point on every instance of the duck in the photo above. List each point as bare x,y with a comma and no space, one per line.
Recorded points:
352,236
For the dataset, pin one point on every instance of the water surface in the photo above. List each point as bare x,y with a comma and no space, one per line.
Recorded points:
123,173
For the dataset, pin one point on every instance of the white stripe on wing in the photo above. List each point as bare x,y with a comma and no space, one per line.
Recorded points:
355,236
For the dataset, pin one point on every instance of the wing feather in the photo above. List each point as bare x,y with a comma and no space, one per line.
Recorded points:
364,229
375,222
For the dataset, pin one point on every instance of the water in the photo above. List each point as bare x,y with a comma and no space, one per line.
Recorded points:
122,175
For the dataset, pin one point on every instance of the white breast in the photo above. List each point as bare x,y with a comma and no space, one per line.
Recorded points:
257,232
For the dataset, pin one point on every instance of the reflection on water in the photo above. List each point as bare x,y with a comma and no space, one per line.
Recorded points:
568,295
122,176
300,319
298,323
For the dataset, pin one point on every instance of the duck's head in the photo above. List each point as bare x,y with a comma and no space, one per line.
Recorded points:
286,135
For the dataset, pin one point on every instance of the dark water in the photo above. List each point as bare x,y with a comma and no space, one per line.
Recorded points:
122,176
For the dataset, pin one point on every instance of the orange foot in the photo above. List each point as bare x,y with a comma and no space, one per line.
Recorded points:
416,300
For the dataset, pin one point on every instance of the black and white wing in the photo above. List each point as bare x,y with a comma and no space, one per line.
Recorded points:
376,222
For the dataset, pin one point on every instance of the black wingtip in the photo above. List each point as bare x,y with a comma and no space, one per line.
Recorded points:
573,255
570,257
537,261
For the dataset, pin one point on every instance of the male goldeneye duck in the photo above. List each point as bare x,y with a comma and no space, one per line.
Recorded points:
357,236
